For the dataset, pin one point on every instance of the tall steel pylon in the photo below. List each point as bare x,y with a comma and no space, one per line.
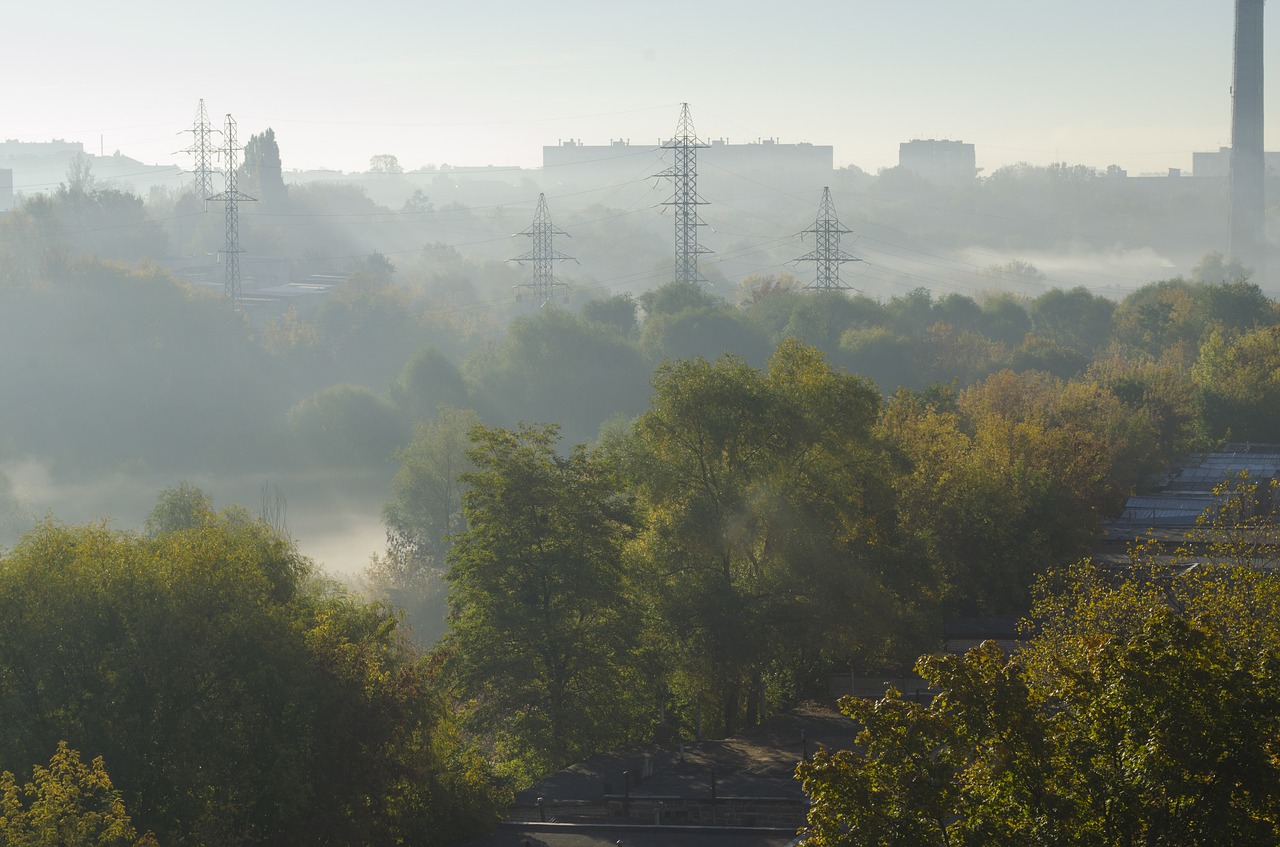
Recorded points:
826,253
683,174
232,196
202,154
543,255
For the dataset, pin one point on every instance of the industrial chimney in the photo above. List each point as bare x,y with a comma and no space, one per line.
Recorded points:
1248,170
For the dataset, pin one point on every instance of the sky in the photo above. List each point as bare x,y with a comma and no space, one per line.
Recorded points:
1138,83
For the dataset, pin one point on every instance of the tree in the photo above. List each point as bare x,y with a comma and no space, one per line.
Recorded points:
1129,720
1075,319
766,527
237,698
347,424
1213,267
185,506
385,163
422,517
68,804
542,617
418,203
1010,479
428,380
618,311
1237,381
80,178
262,169
554,365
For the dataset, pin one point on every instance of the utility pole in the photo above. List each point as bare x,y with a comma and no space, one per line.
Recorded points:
543,255
200,151
826,253
683,174
231,196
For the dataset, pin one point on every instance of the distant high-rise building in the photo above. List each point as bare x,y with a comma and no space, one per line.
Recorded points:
1216,164
730,168
1247,231
938,160
6,189
12,148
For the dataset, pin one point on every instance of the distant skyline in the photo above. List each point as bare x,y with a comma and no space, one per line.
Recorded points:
1140,84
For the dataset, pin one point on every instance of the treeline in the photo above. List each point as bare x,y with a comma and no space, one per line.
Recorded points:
751,532
754,528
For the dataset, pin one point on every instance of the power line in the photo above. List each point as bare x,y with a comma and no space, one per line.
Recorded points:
826,253
683,174
231,196
543,255
202,169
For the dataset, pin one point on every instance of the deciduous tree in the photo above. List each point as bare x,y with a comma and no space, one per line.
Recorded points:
543,625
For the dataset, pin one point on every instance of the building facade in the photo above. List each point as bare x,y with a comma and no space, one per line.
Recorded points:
938,160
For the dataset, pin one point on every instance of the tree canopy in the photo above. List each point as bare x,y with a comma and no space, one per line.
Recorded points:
236,698
1146,711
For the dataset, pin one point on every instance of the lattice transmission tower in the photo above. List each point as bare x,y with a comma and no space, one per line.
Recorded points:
232,197
543,255
201,151
826,253
683,174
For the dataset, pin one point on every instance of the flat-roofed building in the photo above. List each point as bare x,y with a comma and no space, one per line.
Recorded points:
939,160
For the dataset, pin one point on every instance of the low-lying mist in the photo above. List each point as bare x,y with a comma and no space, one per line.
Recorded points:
334,517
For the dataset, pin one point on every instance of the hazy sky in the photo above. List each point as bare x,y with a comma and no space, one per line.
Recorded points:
1139,83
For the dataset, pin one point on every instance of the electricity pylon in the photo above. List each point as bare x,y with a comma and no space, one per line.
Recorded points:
202,154
231,196
543,255
826,253
683,174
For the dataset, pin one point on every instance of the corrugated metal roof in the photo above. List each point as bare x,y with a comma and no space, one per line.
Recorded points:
1188,492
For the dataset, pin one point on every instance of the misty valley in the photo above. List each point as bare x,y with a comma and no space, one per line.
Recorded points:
349,514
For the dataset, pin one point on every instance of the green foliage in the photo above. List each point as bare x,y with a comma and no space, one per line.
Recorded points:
1237,380
819,318
543,622
618,311
238,700
422,516
886,358
1076,320
116,366
262,174
1011,479
765,514
81,222
428,380
1213,267
558,366
185,506
1173,317
676,297
369,329
1005,318
67,804
1126,721
703,330
347,424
